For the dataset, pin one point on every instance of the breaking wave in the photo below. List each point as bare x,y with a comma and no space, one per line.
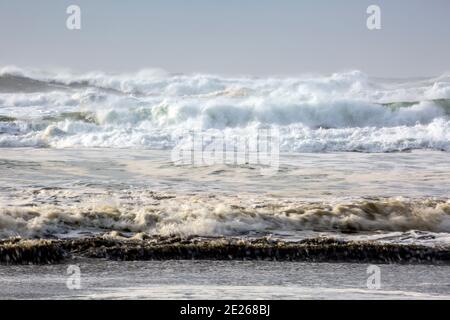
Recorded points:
153,109
60,213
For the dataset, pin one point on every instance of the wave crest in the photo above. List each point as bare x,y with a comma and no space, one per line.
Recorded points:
206,215
342,112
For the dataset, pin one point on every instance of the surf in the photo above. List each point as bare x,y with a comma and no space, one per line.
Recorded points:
152,109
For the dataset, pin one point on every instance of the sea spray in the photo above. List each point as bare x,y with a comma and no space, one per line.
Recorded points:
152,110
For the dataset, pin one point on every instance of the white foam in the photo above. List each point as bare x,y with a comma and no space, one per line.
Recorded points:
151,109
63,211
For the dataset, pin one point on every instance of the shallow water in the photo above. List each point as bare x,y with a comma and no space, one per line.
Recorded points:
45,192
319,176
224,280
401,197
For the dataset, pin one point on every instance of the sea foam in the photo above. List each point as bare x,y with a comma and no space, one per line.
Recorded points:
346,111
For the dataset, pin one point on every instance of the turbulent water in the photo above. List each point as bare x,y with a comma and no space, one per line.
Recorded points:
152,109
62,213
88,176
78,158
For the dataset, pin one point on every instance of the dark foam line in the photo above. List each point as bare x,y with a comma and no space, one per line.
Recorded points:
174,248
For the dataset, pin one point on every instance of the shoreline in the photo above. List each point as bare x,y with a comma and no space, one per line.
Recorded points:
20,251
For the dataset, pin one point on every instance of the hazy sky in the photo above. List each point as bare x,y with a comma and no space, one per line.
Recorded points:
259,37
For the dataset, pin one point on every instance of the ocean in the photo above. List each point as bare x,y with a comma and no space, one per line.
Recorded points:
159,185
